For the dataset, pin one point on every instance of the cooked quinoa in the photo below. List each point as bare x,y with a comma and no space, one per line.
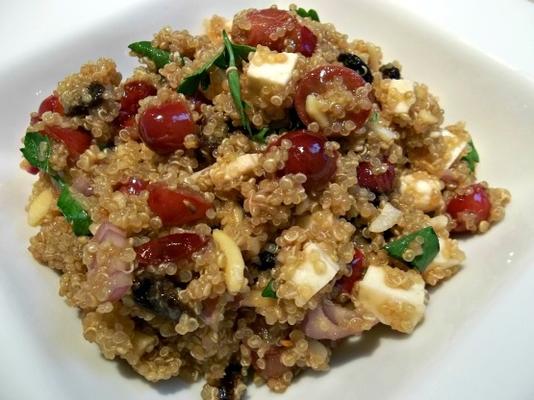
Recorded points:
244,200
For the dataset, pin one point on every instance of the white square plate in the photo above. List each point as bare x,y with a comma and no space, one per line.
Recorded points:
476,340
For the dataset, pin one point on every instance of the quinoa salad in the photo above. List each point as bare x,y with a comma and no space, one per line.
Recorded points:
248,198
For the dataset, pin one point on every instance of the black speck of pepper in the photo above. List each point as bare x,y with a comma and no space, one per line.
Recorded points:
355,63
228,382
389,71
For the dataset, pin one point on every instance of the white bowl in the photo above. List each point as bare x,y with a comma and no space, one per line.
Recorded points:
475,341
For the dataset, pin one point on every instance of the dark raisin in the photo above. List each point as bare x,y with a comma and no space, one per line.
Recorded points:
159,296
355,63
389,71
267,260
96,91
229,381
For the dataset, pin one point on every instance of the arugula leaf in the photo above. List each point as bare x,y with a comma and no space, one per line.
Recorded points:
472,157
233,82
430,247
72,210
202,78
311,13
268,291
145,48
37,149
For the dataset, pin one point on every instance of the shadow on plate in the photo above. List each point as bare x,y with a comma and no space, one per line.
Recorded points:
358,347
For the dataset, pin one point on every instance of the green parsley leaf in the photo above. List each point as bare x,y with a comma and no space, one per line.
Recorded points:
37,149
269,291
430,247
72,210
158,56
311,13
472,157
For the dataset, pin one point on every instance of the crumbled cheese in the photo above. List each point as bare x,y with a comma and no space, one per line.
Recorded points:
446,262
315,272
40,206
439,222
449,254
403,86
266,68
389,216
234,265
400,308
422,190
455,146
385,133
313,109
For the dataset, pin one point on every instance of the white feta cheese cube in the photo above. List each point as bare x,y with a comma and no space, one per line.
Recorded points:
422,190
446,262
401,306
455,147
403,86
314,273
449,254
266,68
453,144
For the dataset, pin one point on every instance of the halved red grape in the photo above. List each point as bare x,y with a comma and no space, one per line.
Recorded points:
177,246
378,183
177,207
51,103
357,264
307,156
164,127
469,209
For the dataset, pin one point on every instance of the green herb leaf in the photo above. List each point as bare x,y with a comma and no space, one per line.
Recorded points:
472,157
72,210
241,51
430,247
261,135
37,149
145,48
233,82
201,77
268,291
311,13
